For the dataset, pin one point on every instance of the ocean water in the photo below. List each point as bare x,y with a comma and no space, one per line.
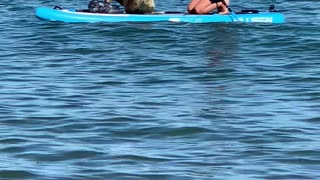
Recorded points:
159,100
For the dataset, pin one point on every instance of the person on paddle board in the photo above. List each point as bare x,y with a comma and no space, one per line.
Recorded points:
137,6
206,6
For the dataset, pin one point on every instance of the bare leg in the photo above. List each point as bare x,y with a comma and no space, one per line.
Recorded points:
192,5
206,6
203,6
209,8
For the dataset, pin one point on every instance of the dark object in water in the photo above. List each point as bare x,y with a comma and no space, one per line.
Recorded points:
100,6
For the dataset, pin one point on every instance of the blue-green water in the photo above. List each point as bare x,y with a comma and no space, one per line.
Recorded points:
159,101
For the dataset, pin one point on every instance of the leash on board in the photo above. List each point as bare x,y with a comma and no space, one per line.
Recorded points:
232,14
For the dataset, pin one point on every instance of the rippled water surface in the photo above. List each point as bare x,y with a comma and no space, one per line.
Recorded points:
159,100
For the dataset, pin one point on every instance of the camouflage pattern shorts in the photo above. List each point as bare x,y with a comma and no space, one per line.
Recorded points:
100,6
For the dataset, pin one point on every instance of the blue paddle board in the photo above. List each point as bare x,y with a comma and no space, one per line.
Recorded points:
77,16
